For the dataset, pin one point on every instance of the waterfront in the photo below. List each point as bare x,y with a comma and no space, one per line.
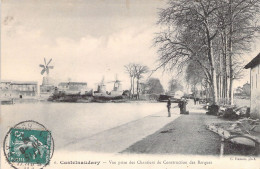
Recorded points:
70,122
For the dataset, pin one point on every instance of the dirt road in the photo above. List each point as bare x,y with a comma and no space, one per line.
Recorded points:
185,135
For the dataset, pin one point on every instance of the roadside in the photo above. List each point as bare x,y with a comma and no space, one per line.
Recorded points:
185,135
120,137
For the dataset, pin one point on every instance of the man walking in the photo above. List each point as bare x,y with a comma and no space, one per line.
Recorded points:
169,107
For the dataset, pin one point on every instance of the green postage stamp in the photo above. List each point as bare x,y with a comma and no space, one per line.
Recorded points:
28,143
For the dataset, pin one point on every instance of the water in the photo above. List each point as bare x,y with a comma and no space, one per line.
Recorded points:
72,121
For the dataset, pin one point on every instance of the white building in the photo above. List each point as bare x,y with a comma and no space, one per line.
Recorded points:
254,66
73,87
18,89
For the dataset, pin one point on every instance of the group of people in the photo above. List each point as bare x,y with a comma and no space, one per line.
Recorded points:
182,105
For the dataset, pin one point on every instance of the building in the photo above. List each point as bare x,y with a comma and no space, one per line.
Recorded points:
47,87
243,91
18,89
73,87
254,66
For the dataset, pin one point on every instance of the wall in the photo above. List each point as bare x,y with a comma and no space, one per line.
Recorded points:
255,92
11,90
73,87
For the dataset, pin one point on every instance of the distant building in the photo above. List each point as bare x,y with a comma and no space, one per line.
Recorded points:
246,89
254,66
73,87
47,87
238,91
18,89
243,91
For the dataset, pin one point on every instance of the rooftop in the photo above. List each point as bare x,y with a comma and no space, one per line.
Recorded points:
73,83
253,62
20,82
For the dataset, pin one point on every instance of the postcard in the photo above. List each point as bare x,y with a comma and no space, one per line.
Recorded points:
130,84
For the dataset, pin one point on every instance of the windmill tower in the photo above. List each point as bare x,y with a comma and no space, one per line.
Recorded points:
47,87
117,89
46,70
101,86
117,85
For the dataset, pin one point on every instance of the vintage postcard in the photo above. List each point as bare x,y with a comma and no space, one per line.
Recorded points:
119,84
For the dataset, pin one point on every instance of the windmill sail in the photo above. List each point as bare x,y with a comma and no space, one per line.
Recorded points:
46,67
42,72
49,62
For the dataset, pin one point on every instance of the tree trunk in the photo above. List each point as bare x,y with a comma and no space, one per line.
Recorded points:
230,55
218,86
133,87
213,71
224,67
137,88
225,70
130,94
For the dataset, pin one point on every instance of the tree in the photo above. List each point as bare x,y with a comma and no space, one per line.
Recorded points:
130,70
139,71
192,31
238,29
195,76
135,71
174,85
154,86
212,33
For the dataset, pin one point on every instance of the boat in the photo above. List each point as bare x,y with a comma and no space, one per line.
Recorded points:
7,101
164,98
102,96
244,132
69,97
99,96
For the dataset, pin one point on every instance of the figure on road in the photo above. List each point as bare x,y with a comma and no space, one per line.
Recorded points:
182,105
169,107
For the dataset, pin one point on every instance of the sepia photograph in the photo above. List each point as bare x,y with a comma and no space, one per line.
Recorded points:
157,84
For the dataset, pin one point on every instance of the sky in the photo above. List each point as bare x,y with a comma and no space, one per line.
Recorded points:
86,39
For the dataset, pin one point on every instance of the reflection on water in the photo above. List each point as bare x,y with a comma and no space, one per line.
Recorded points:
70,121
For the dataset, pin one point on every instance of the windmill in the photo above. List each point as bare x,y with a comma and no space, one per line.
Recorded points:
101,86
117,84
46,81
46,68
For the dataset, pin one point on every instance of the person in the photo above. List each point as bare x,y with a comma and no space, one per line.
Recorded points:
182,106
169,107
197,100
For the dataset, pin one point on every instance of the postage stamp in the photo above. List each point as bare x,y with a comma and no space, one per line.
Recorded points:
28,144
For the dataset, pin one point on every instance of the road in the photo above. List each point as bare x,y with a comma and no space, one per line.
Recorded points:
186,135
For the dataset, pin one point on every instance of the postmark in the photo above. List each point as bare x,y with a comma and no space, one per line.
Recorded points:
28,145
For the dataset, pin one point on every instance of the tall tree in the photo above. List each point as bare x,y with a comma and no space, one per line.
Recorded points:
174,85
210,32
194,76
130,71
188,18
135,71
139,71
154,86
